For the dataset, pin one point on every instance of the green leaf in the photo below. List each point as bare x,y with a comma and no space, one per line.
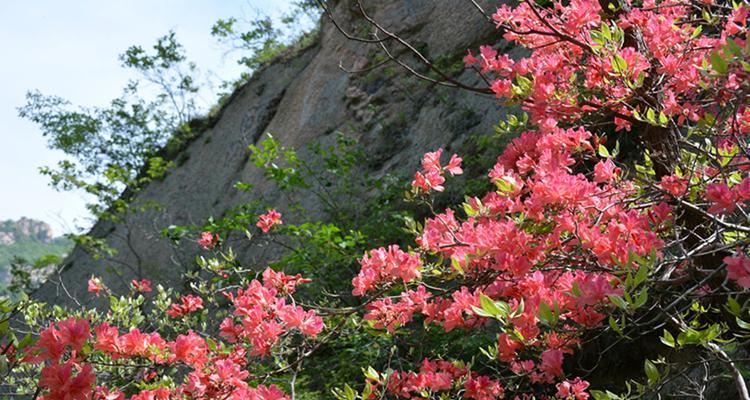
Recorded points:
640,276
546,314
689,336
668,339
718,63
733,47
619,65
733,306
371,373
639,80
469,210
742,324
696,32
349,392
614,325
599,395
523,86
575,289
489,352
519,310
603,152
25,341
367,391
618,301
597,38
344,394
504,185
480,312
663,119
457,265
641,299
492,308
712,332
652,373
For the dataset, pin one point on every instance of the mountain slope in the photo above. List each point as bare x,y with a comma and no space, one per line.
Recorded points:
27,239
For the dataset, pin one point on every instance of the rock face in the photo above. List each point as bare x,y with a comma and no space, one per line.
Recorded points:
27,239
7,238
300,99
25,229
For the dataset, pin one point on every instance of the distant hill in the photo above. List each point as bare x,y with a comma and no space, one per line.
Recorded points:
28,239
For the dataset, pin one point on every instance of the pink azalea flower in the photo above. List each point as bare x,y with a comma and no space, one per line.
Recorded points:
95,285
143,286
724,200
738,269
268,220
208,240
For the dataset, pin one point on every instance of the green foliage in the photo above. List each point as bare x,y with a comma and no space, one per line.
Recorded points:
114,150
260,37
263,39
352,220
167,68
113,147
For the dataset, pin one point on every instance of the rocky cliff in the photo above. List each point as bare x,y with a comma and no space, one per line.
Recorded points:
24,229
27,239
300,98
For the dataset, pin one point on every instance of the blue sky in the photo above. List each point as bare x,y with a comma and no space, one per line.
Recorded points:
70,49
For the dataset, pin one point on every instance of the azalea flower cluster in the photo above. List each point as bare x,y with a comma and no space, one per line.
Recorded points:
60,347
96,286
653,64
569,60
214,374
268,220
261,317
550,244
548,237
439,377
432,175
382,265
214,370
143,285
188,304
738,269
208,240
725,200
